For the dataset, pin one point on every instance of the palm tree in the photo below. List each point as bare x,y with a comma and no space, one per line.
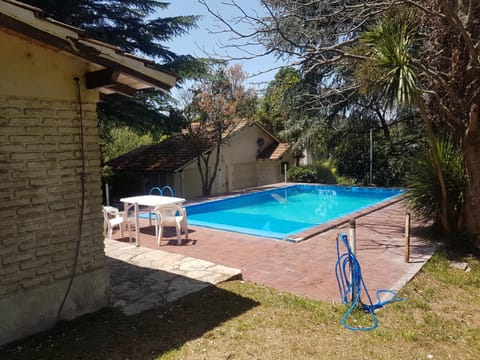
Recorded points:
390,74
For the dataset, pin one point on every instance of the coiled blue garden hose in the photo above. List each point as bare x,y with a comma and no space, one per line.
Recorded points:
350,284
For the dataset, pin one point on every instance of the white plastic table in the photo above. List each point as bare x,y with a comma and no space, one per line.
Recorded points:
146,200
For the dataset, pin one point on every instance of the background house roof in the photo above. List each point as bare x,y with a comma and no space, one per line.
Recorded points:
170,155
178,151
112,70
274,151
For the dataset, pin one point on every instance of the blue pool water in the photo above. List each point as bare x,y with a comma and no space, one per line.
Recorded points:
283,212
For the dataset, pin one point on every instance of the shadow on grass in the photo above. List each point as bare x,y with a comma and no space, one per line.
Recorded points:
110,334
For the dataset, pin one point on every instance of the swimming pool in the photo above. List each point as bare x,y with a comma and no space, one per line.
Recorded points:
282,212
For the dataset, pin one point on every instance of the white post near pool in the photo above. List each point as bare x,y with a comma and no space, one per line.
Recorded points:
107,194
352,242
371,158
351,237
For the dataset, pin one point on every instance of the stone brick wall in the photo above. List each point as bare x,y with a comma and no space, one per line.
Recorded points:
40,198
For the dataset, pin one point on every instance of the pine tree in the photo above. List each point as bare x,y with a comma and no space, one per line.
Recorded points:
132,25
135,27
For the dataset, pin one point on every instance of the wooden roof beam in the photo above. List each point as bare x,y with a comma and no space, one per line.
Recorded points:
101,78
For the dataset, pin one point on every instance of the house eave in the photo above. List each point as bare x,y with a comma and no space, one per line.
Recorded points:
132,73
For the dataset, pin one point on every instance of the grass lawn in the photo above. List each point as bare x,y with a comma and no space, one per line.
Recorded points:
440,319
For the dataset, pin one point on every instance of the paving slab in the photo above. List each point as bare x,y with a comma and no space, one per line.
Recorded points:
142,278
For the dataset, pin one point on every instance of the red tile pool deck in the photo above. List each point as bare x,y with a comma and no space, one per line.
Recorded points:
307,268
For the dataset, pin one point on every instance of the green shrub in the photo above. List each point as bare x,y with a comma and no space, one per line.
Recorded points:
301,174
325,175
424,195
346,181
311,174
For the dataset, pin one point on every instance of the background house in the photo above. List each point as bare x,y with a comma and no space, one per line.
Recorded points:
51,244
250,156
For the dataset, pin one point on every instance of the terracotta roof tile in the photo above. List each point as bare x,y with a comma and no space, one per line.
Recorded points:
274,151
170,155
234,127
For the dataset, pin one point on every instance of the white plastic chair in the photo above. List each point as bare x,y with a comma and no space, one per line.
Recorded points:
170,215
154,190
113,217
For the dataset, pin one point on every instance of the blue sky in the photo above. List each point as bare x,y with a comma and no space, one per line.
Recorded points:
200,38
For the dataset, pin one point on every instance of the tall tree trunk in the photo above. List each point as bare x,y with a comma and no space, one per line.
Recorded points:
471,150
202,165
383,123
212,178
